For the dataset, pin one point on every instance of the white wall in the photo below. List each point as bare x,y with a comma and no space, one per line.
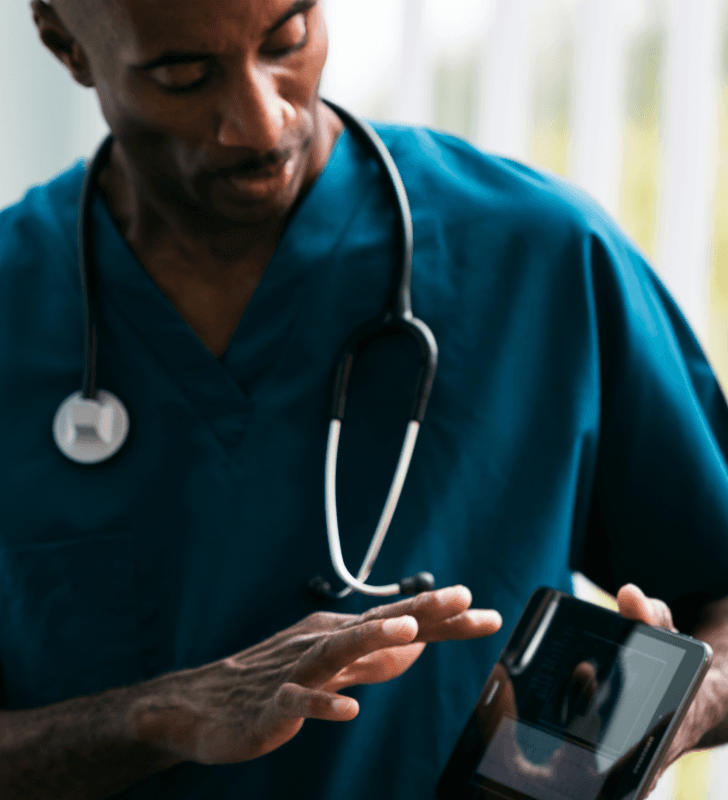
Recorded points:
46,120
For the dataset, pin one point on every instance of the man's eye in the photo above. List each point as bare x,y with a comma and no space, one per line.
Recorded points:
181,77
289,38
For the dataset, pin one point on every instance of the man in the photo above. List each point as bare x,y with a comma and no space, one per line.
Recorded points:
155,635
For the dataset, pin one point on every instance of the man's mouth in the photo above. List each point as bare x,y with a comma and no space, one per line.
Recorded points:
259,179
256,166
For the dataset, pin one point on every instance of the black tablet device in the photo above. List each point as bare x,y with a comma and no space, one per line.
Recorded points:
581,705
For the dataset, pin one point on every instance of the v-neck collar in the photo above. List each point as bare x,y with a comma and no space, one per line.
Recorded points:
221,388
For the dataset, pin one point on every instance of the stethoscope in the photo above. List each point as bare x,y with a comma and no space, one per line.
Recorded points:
91,425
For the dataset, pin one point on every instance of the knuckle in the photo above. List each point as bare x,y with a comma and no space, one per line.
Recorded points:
323,619
319,705
665,613
328,648
335,645
304,705
359,635
292,699
284,697
371,614
423,599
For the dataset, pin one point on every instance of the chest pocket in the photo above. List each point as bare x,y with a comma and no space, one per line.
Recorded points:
68,619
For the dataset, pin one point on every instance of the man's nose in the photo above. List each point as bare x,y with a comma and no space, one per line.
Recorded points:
254,115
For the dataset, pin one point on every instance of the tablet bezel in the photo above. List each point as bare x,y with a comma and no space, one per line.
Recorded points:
633,779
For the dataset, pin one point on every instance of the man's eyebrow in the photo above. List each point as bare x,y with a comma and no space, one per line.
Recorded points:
170,57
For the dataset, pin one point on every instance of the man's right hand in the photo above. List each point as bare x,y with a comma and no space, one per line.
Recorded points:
248,704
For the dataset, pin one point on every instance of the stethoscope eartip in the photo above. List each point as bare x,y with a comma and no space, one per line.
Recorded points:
320,589
421,582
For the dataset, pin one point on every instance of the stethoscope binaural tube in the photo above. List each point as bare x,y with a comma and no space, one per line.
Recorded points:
398,318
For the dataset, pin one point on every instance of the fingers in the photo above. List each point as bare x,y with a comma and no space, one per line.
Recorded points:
430,617
344,646
441,616
634,604
388,663
377,667
427,606
296,701
471,624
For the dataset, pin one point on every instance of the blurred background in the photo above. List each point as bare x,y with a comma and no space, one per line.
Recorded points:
627,98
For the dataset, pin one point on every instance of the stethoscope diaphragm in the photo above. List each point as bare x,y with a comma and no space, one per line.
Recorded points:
90,431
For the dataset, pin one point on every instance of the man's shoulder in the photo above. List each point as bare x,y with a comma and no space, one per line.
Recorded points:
453,177
42,225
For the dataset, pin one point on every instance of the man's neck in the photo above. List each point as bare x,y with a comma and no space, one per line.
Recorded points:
208,269
161,231
164,237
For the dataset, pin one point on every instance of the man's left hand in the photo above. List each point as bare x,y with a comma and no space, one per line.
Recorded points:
705,710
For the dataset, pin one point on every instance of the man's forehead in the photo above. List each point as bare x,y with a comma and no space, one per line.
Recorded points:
89,16
148,11
150,23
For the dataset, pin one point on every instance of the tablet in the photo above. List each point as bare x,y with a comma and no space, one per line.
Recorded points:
581,705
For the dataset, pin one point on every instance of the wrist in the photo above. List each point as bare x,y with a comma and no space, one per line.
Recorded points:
161,720
711,710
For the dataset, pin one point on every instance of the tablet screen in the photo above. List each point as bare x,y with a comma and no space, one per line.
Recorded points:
599,700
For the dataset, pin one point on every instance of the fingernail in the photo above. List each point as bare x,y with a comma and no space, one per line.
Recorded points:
396,625
340,706
448,594
490,617
441,595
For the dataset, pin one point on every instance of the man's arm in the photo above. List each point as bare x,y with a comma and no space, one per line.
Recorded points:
82,748
232,710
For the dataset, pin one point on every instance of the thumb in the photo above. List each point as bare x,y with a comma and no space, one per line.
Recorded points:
634,604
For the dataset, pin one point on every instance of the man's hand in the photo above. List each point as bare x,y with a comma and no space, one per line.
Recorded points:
705,710
244,706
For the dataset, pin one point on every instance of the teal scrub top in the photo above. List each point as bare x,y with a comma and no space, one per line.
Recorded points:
573,424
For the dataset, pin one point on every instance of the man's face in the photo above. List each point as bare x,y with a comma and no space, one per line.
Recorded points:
214,102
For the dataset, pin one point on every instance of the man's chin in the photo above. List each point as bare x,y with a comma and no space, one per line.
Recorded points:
251,201
254,217
249,214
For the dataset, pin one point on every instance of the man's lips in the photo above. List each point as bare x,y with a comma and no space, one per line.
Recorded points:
260,181
257,166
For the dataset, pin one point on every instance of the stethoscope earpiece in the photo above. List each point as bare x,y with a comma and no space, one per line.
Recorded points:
90,431
320,589
421,582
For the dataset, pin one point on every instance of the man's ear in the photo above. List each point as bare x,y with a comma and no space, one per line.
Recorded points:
58,39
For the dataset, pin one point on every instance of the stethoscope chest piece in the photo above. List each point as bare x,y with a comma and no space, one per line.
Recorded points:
90,431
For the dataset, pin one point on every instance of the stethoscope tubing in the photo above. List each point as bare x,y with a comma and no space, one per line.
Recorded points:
399,303
91,403
89,280
332,525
